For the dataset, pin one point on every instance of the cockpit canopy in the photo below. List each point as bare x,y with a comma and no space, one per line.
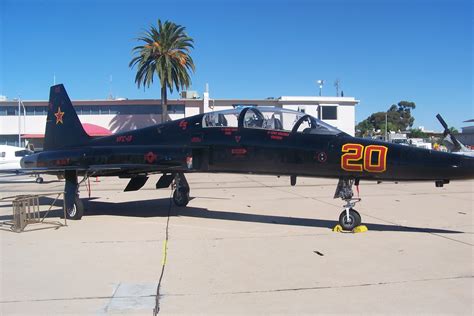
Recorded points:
271,118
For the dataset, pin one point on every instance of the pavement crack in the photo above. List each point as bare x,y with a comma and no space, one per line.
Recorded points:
156,309
119,241
313,288
75,298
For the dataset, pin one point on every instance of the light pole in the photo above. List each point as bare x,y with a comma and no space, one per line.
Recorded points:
20,105
19,122
320,83
386,127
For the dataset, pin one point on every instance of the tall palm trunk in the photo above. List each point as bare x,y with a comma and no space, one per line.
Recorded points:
164,104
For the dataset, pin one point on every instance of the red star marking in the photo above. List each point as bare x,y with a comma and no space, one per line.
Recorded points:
150,157
59,116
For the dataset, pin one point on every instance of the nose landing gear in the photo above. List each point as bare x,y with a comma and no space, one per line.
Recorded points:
349,218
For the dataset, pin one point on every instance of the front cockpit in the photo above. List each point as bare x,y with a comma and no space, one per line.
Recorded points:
270,118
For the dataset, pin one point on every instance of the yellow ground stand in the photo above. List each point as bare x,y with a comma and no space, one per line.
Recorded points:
358,229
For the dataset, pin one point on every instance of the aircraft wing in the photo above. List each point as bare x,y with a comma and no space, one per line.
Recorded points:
131,168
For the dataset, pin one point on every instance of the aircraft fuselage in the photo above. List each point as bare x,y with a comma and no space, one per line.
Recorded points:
186,146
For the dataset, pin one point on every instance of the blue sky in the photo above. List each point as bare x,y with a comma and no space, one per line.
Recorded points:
382,51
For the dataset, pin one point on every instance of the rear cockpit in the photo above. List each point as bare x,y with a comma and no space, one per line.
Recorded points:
268,118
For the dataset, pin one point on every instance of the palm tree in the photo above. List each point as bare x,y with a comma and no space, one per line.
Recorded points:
164,53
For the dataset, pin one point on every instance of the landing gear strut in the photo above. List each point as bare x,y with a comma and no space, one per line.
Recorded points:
181,191
349,218
74,207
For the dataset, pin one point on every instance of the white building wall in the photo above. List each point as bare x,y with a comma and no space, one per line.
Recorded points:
119,123
345,119
190,111
29,125
310,109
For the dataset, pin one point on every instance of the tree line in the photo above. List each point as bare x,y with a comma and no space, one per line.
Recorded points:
397,118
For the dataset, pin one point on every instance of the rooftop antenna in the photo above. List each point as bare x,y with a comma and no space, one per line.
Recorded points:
54,79
110,97
337,84
320,83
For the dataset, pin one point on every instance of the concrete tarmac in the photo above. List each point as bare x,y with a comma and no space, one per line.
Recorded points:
245,244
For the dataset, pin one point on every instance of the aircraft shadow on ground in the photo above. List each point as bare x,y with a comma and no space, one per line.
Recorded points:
45,203
160,207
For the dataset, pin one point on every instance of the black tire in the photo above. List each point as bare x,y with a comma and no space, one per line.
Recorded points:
354,219
39,180
76,211
181,197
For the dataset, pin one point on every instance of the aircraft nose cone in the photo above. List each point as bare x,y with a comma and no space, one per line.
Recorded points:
28,161
468,167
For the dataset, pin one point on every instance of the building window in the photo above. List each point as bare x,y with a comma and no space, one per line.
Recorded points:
12,110
86,110
114,109
124,109
95,110
328,112
40,110
10,140
29,110
176,108
104,110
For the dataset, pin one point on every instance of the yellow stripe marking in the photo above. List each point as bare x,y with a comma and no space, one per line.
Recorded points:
164,252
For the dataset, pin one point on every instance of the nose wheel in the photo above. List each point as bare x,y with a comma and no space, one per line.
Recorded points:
349,218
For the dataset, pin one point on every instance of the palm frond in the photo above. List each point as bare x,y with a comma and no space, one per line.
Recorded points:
164,53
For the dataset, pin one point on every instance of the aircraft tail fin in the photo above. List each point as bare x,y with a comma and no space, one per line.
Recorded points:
63,128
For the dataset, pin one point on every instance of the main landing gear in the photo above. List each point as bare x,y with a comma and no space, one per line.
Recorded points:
181,190
349,218
73,204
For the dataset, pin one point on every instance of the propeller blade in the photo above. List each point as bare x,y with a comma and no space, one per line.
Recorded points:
446,132
440,119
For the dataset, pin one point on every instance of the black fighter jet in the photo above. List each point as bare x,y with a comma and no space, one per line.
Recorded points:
258,140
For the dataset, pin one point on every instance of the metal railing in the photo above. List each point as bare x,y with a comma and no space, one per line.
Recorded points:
26,211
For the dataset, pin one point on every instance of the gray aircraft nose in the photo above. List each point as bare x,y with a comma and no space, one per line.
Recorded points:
29,161
467,166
